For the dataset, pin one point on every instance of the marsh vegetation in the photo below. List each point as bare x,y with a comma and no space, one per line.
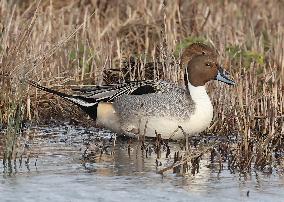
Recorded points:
67,43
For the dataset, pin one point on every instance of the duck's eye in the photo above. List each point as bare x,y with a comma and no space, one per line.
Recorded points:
207,64
203,53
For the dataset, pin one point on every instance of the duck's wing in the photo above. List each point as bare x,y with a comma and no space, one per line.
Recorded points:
88,100
115,90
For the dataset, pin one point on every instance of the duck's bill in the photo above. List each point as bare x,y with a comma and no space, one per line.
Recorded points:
224,77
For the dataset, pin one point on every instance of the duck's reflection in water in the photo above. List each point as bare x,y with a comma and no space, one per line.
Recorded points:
137,159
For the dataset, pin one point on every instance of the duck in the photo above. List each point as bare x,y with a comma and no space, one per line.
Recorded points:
151,107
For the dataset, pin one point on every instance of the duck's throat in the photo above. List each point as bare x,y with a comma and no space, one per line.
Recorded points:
203,112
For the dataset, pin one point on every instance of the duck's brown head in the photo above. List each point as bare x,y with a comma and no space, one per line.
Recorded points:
203,68
197,49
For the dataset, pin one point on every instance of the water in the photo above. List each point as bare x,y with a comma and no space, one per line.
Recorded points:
56,170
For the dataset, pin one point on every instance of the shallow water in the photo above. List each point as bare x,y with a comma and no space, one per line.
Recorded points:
56,170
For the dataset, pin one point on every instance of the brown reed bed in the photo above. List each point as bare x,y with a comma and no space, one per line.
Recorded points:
58,43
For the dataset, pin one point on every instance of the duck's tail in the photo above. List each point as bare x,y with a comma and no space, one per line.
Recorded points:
89,105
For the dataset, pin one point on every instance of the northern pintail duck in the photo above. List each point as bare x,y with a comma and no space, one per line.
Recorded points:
149,107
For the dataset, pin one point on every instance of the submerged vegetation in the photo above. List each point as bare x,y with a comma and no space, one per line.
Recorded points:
73,42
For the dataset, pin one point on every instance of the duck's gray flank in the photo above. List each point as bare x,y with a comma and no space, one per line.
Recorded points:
170,102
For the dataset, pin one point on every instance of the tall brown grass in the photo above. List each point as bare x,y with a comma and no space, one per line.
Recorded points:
58,43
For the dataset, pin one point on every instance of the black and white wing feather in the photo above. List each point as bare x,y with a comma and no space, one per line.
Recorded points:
89,98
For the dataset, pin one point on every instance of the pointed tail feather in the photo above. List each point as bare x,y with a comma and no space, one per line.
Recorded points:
89,105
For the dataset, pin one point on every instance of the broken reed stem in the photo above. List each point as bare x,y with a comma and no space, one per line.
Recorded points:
187,158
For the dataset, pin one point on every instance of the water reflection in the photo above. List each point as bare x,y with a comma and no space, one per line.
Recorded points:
68,159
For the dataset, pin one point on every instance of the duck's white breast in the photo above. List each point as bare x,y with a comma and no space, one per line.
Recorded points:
203,113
